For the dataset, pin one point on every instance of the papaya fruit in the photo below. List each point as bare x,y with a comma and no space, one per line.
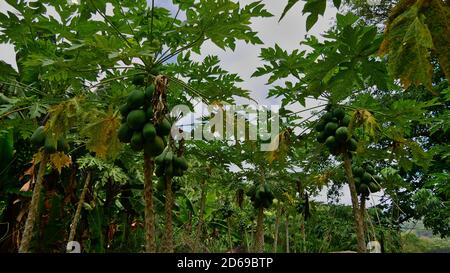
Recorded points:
138,80
320,126
374,187
352,145
327,117
330,128
124,110
163,128
124,133
136,99
346,120
38,137
149,112
177,172
366,178
357,171
51,144
330,142
137,141
169,170
357,181
321,137
364,189
342,134
136,119
339,113
159,171
370,169
160,158
154,148
180,162
149,92
149,132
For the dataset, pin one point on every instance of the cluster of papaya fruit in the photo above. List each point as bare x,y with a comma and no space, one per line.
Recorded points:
333,131
138,128
169,164
50,142
261,196
366,181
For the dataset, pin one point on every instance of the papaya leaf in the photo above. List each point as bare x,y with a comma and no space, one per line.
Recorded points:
60,160
101,134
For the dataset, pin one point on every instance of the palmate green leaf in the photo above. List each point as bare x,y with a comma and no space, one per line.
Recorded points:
315,8
288,6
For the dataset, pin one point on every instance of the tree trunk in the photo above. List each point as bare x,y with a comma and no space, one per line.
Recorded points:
362,211
287,232
76,218
259,242
275,236
150,244
33,211
167,244
230,240
356,211
201,214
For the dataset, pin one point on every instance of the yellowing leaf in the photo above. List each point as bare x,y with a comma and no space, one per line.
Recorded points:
101,134
362,117
63,116
279,147
60,160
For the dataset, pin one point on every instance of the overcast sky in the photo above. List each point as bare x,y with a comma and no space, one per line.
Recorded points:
244,59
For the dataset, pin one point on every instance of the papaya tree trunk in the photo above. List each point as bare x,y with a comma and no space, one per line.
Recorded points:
33,212
275,236
167,244
149,212
361,247
287,232
259,242
76,218
230,240
201,214
362,211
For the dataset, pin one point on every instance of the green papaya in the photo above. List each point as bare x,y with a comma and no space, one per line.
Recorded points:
327,117
330,128
168,158
149,112
339,113
38,137
346,120
138,80
163,128
357,171
136,119
352,145
160,158
370,170
124,110
124,133
180,162
137,141
342,134
51,144
330,142
149,92
374,187
321,137
320,126
169,170
177,172
366,178
136,99
149,132
154,148
364,189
